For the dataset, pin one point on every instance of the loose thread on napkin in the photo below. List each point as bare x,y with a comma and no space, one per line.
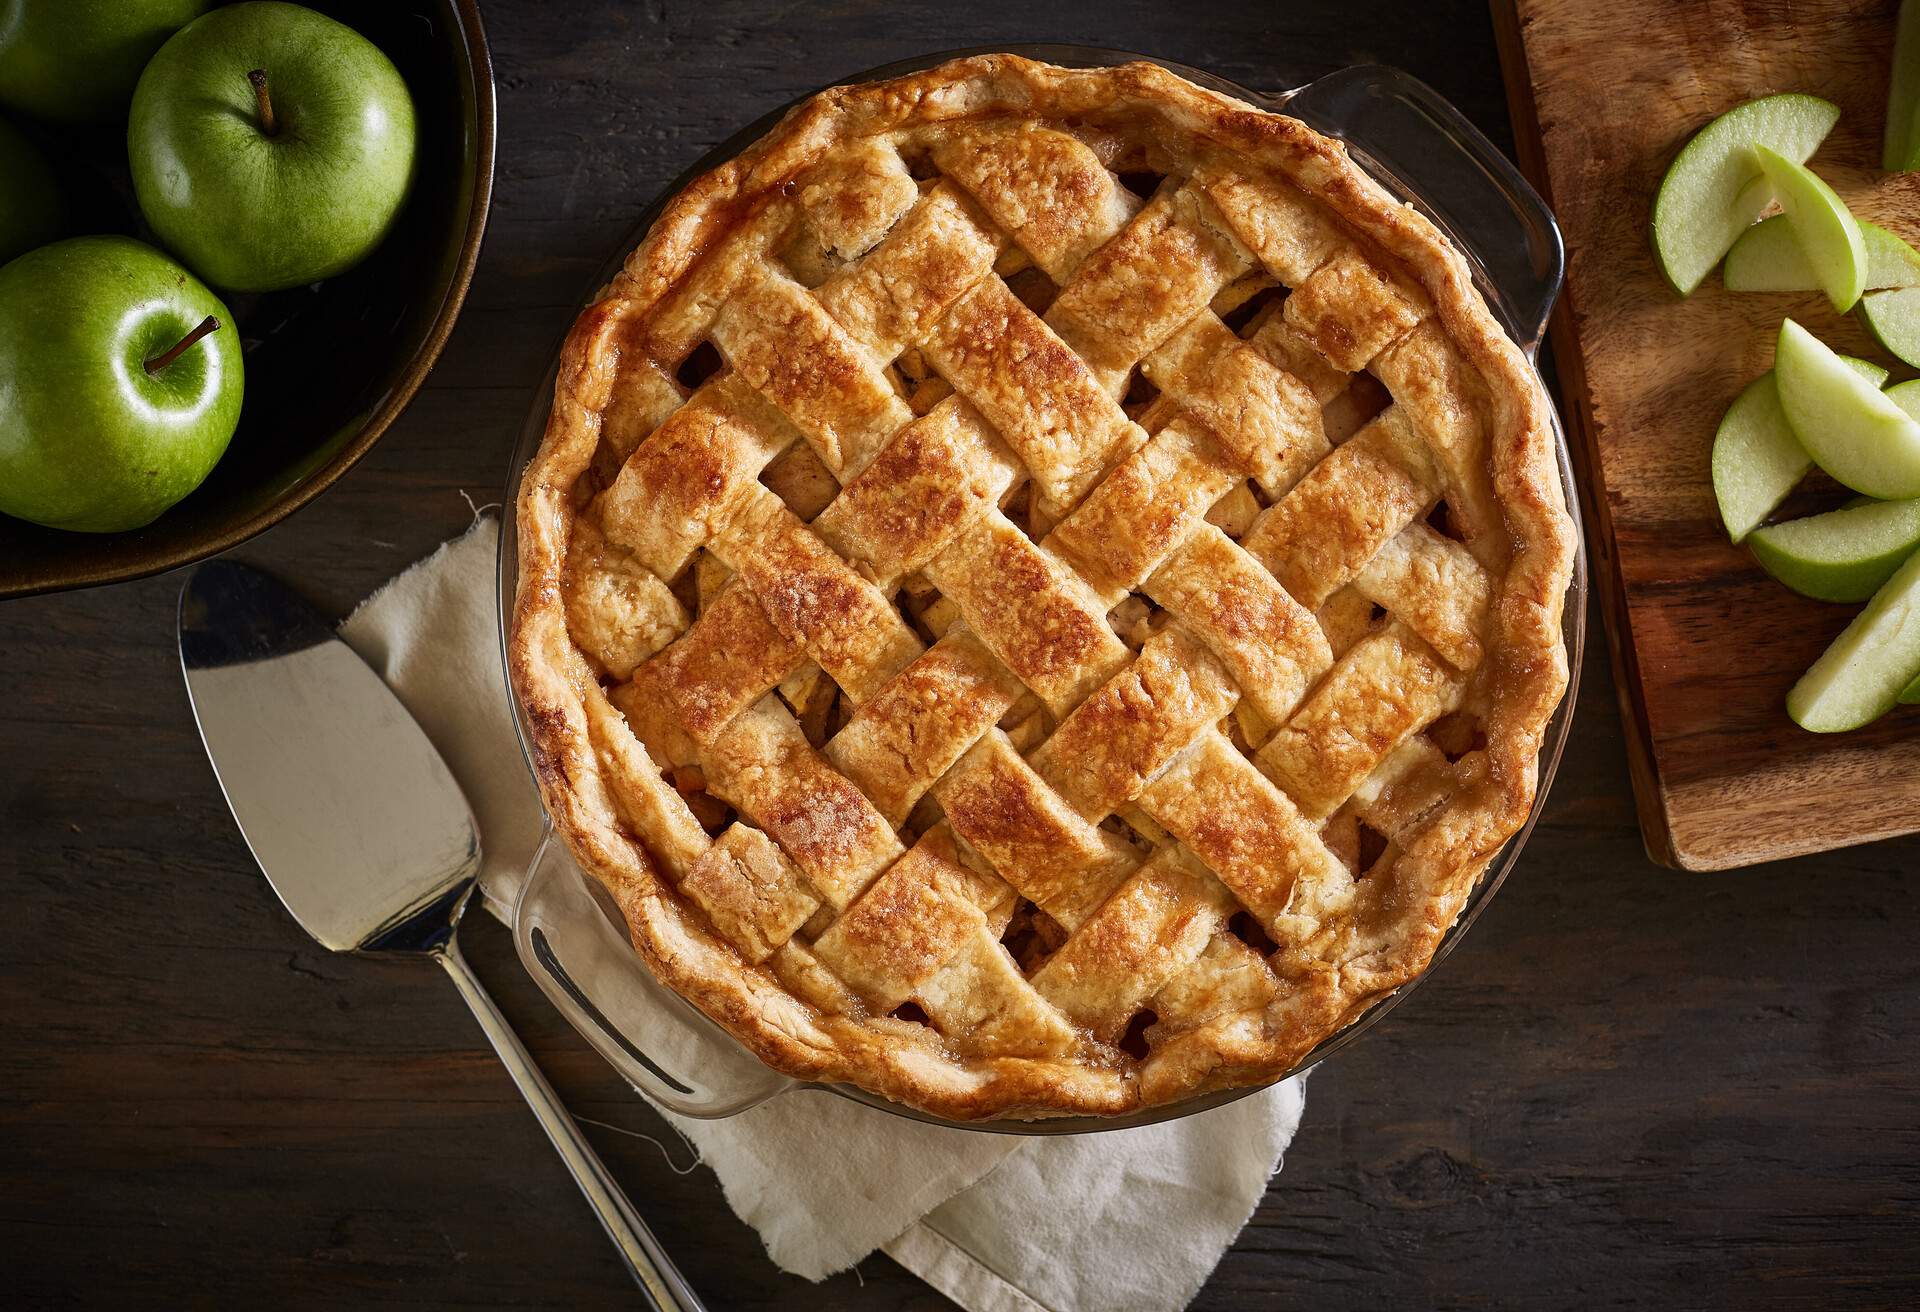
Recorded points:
666,1155
478,511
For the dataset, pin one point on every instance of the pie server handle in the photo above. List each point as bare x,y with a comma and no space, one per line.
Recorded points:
1412,138
664,1288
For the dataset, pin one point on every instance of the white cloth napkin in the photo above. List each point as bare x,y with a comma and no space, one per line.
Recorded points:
1131,1219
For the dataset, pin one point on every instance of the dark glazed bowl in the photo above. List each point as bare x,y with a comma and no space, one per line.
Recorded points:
329,367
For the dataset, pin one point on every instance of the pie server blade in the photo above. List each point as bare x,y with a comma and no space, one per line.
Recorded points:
361,829
351,813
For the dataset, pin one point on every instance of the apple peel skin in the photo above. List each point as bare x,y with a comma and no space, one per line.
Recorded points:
1865,671
1823,227
76,61
30,206
1709,195
1900,149
1852,430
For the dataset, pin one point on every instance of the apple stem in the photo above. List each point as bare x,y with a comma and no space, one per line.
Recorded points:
268,123
207,325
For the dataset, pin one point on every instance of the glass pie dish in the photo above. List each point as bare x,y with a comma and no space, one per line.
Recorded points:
1423,152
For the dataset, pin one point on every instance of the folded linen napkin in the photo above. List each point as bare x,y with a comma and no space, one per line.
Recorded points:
1131,1219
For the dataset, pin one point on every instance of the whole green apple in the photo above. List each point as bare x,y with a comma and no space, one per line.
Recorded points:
77,60
29,196
120,381
271,146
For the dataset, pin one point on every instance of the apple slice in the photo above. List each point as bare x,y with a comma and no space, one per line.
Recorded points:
1901,150
1843,555
1709,195
1891,260
1851,429
1756,458
1873,661
1910,695
1905,395
1893,317
1822,226
1767,258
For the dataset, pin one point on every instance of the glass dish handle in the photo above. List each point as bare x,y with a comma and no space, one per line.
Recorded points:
1415,138
569,941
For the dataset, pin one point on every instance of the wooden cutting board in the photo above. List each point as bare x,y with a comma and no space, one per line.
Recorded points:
1705,644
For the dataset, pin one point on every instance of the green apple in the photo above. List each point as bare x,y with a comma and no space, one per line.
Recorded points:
1843,555
1877,657
1847,425
1822,226
29,196
1756,458
120,381
1910,695
1768,258
271,146
1715,187
1901,149
77,60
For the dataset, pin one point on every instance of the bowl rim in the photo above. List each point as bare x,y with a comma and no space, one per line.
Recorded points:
479,73
1554,738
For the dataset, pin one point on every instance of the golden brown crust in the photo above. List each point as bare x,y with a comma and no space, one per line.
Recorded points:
1265,198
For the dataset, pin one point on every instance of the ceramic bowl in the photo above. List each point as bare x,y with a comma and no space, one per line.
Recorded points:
329,367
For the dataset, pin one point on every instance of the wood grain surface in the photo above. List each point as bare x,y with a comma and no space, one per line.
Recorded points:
1625,1089
1706,643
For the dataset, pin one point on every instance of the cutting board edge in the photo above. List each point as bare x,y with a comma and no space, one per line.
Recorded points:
1649,798
1711,851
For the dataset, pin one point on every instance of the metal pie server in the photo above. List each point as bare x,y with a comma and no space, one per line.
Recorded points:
361,829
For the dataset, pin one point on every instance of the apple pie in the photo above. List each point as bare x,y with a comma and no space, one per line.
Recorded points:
1041,591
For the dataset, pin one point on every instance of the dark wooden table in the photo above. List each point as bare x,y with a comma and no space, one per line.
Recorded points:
1627,1086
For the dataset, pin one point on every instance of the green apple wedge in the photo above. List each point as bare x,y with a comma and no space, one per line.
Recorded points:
1756,458
1905,395
1873,661
1843,555
1900,151
1714,189
1910,695
1822,225
1893,317
1851,429
1768,258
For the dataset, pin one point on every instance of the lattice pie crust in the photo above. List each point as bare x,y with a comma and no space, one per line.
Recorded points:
1041,591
